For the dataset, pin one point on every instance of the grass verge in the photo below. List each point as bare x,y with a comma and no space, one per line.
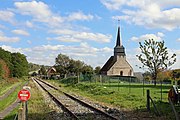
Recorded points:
37,108
11,98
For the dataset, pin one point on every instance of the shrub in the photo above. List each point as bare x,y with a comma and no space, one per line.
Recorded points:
69,81
94,89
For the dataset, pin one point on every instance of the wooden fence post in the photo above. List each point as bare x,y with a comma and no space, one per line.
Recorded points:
148,100
22,112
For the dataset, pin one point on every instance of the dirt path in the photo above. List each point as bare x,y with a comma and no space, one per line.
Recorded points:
11,107
8,93
7,110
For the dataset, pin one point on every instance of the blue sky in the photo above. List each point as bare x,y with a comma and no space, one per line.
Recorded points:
87,29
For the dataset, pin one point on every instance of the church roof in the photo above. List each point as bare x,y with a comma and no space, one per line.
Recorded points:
108,64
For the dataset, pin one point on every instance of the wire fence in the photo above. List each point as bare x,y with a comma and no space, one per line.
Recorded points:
129,85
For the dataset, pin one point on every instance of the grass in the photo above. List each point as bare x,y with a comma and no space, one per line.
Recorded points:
11,98
124,95
12,115
5,85
37,108
7,88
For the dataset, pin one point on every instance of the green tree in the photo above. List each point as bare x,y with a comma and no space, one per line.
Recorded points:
62,64
42,71
6,56
20,65
154,56
97,69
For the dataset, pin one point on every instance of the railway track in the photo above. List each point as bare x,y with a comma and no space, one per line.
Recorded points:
75,108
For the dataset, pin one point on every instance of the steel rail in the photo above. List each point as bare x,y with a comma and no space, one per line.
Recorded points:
74,117
82,102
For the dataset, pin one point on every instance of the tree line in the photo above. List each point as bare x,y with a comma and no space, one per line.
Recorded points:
16,63
67,66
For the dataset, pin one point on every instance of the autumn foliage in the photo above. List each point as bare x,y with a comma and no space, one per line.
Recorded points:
4,69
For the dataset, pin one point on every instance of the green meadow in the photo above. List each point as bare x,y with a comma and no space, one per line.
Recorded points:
124,95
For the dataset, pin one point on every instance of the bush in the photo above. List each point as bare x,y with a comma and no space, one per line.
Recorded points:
69,81
94,89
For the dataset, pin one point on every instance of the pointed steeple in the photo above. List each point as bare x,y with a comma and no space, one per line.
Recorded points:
119,50
118,41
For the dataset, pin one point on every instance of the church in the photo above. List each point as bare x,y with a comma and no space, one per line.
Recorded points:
117,65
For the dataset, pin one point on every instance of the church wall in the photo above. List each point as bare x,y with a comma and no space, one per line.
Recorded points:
121,67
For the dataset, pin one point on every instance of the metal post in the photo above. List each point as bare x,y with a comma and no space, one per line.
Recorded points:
148,100
161,90
143,85
118,83
129,85
26,110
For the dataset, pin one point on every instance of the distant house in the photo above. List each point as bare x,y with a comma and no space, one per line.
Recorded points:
51,72
117,65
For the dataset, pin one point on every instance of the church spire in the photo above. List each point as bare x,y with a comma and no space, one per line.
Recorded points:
118,41
119,50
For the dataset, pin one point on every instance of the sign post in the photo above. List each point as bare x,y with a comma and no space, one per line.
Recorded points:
23,95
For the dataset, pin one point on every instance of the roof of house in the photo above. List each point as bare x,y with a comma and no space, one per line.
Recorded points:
50,69
108,64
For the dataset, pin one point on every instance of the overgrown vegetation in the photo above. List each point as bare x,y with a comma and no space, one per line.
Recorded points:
16,63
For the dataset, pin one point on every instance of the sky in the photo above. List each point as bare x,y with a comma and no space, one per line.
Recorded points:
86,30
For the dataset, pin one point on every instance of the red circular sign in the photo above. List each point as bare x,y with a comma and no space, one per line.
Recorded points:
24,95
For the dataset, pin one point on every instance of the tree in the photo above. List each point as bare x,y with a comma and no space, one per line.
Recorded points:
75,66
154,56
42,71
20,65
7,57
62,64
97,69
176,74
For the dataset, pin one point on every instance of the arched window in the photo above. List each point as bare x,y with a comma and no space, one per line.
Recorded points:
121,73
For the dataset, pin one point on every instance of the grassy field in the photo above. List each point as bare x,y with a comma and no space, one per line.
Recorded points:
5,85
128,96
12,97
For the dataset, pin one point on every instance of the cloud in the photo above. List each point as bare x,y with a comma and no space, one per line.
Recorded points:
157,37
4,38
76,36
20,32
178,39
79,16
151,14
29,24
177,52
7,16
113,4
39,11
11,49
46,54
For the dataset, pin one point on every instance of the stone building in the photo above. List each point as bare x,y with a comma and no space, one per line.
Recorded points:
117,65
